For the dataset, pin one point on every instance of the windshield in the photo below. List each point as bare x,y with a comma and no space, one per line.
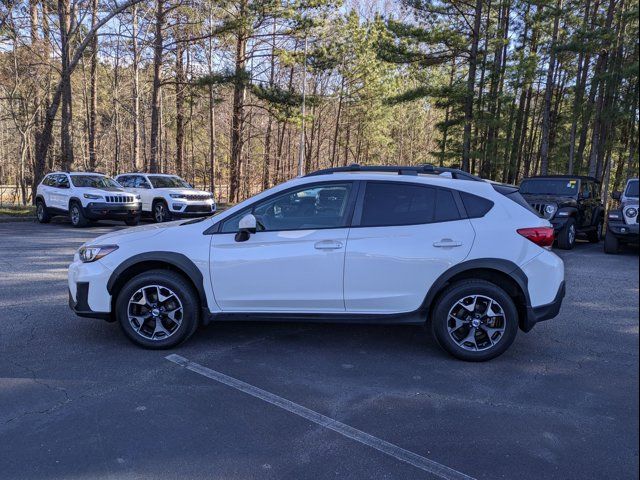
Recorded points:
160,181
555,186
632,189
93,181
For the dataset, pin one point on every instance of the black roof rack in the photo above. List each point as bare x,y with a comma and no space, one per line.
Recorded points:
579,177
399,169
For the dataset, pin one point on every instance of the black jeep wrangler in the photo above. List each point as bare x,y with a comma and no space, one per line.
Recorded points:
571,203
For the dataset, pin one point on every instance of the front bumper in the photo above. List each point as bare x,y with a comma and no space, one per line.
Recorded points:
544,312
558,223
623,231
110,211
191,208
80,305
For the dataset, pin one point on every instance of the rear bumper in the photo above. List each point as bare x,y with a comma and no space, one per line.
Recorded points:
80,305
544,312
109,211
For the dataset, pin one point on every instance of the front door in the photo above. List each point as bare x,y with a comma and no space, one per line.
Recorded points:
295,261
405,238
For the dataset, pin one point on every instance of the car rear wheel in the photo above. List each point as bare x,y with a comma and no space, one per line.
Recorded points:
474,320
611,244
596,235
158,309
567,236
77,217
41,212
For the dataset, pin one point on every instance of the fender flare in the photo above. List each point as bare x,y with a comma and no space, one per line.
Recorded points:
500,265
597,215
177,260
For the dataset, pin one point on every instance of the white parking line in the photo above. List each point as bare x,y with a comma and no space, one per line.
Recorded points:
435,468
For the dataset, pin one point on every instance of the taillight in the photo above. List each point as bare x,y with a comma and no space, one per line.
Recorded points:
541,236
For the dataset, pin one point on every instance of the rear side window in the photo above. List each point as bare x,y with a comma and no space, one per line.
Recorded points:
387,204
446,207
475,206
125,180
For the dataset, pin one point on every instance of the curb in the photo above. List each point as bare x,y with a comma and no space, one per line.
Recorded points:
8,219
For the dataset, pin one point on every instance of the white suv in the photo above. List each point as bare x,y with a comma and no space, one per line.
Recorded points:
165,197
399,245
85,196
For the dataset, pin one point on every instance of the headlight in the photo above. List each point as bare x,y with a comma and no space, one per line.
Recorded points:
176,195
614,216
90,253
549,210
631,212
91,196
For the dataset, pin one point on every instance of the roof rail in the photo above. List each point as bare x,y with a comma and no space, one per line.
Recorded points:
426,168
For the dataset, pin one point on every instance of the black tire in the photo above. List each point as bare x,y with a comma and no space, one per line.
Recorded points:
488,348
595,236
611,244
182,290
132,222
76,215
160,211
42,214
567,236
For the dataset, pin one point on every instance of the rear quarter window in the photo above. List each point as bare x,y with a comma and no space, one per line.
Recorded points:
475,206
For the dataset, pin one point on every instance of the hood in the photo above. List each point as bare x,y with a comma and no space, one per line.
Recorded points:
557,199
104,191
132,234
186,191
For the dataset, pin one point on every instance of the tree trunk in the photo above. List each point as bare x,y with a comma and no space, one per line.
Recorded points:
66,117
180,81
158,47
93,89
468,102
135,93
237,119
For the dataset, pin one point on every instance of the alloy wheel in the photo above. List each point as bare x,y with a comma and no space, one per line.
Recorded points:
155,312
572,234
476,323
40,211
159,213
75,215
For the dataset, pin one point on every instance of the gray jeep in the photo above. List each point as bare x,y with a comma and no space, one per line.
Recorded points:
622,224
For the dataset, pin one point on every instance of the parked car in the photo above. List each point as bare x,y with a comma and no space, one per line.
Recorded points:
84,197
622,224
343,245
167,197
571,203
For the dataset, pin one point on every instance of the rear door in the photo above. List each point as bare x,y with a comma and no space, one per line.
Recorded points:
142,187
404,236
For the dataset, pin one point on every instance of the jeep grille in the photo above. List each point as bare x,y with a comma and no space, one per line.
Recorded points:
540,208
119,199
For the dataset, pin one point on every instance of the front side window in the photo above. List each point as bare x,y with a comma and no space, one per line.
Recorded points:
387,204
49,181
165,181
125,181
93,181
585,190
309,208
62,181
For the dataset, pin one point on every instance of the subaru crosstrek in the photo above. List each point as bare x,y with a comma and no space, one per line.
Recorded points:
399,245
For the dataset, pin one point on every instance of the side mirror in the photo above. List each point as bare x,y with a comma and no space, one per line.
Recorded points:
616,195
246,227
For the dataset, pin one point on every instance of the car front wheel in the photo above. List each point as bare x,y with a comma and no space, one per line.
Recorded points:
611,244
567,236
161,212
474,320
158,309
77,216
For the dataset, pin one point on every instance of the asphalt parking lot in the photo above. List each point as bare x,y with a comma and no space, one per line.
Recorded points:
77,400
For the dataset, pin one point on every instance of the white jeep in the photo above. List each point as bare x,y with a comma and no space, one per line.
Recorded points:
166,197
85,196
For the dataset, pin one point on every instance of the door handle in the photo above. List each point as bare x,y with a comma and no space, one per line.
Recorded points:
447,243
328,245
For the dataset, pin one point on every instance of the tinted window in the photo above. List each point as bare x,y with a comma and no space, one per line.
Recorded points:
549,186
585,189
446,207
93,181
632,189
49,181
125,181
62,181
308,208
397,204
141,182
475,206
161,181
